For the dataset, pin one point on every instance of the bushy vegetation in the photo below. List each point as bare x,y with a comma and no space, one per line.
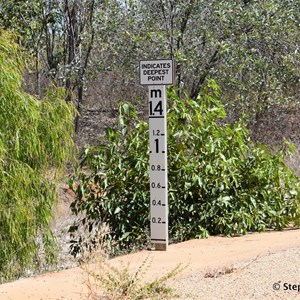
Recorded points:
219,181
35,143
111,283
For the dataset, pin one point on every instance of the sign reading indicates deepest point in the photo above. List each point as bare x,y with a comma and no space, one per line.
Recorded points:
157,72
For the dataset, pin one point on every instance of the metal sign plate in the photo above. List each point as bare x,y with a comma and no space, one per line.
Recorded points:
157,72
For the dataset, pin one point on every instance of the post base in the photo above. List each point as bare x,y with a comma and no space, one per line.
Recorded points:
161,247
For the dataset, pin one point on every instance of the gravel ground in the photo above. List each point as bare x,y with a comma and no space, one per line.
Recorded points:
275,276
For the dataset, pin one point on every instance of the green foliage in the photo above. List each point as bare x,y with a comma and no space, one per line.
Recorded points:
219,182
35,142
119,164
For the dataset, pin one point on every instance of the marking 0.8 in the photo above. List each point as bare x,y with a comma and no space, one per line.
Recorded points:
158,164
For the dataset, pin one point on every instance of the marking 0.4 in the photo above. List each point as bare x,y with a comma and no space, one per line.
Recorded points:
158,164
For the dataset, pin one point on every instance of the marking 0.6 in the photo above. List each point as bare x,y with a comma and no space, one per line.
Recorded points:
158,164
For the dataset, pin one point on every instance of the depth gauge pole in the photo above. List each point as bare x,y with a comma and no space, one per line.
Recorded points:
157,74
158,166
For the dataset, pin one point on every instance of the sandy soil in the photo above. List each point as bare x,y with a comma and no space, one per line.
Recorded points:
247,267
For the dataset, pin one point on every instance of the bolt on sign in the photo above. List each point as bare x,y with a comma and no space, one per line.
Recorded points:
157,74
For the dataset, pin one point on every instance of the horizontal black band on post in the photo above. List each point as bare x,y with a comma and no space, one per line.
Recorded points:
156,117
160,240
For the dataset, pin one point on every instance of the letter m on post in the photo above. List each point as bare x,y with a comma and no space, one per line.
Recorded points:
155,93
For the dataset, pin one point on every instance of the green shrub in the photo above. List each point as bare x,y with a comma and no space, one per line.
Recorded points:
219,181
35,140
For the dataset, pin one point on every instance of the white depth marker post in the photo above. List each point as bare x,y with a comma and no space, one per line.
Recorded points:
157,74
158,166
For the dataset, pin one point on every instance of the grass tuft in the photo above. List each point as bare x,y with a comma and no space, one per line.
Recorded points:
107,282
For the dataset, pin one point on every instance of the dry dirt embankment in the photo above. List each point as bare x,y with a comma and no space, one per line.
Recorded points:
244,267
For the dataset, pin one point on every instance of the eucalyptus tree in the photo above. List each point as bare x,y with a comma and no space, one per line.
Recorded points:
26,18
60,34
250,47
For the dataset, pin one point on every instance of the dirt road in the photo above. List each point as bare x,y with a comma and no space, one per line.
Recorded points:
255,266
